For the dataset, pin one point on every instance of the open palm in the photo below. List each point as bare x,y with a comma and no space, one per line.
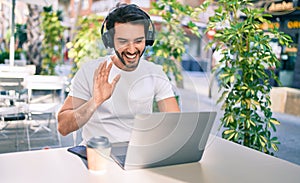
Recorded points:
102,88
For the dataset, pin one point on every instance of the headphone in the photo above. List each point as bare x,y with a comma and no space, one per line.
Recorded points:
107,38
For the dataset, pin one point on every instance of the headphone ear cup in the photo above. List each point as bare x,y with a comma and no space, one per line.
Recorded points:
150,34
107,40
149,42
150,38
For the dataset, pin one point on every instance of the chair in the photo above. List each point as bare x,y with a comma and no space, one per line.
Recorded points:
14,116
43,108
12,82
8,114
11,107
12,77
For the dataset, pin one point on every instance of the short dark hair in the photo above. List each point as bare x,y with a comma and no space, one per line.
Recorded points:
126,13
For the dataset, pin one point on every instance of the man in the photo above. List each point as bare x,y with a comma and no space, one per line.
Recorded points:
105,91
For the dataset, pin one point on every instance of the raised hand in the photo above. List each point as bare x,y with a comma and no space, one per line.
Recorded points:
102,88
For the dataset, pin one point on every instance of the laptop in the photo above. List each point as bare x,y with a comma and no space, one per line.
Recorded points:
161,139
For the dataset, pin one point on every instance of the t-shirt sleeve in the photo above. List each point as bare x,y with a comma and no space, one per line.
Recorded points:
80,85
163,87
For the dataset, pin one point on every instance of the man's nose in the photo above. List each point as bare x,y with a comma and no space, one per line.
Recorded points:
131,47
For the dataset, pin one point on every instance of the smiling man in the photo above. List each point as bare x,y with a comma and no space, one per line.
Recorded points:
104,92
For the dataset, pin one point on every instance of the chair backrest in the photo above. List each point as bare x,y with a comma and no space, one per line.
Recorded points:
7,83
43,82
12,77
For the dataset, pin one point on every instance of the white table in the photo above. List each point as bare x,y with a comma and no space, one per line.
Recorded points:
14,75
29,69
223,161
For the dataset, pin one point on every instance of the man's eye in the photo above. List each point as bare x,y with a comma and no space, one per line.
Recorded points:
139,41
122,42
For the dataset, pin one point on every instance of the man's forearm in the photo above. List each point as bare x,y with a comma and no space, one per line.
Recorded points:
72,120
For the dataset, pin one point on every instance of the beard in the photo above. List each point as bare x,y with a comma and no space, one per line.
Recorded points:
130,60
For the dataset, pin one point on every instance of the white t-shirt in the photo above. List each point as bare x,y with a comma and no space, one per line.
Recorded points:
133,94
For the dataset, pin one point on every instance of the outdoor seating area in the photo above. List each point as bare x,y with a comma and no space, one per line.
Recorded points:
149,91
28,108
19,134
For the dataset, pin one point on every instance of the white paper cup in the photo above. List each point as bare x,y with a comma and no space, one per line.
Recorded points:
98,151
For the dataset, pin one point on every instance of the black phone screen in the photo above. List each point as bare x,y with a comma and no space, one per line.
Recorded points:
79,150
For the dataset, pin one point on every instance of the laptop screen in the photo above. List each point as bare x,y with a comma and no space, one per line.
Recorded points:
160,139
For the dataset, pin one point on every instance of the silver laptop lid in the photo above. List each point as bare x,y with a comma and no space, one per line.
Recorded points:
160,139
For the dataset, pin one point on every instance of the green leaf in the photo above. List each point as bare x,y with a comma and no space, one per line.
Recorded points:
231,136
191,24
252,122
226,132
274,121
232,79
217,35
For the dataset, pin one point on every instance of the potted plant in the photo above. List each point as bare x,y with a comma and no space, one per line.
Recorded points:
52,41
171,38
87,43
244,84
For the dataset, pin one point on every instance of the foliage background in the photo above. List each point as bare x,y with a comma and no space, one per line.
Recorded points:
244,82
171,38
87,43
52,41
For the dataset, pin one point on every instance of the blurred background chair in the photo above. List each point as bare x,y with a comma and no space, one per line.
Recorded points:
8,114
12,77
13,99
12,82
45,97
11,122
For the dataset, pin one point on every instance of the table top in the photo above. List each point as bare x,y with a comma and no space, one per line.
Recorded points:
30,69
13,75
16,72
223,161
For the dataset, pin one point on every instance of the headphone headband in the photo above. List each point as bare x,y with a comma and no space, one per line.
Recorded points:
107,38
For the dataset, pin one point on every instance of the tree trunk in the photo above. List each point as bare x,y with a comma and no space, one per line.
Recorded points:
74,26
33,46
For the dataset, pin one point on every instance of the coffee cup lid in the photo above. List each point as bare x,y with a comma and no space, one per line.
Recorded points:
98,142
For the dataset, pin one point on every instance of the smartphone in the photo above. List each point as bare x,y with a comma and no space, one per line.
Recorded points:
79,151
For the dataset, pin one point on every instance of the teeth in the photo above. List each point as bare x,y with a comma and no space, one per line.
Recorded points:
130,56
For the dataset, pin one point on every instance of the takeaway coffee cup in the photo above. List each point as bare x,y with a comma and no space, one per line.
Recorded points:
98,151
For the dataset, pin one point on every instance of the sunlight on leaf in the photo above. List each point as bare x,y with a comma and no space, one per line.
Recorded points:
274,121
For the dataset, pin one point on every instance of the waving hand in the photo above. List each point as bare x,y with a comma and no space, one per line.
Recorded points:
102,88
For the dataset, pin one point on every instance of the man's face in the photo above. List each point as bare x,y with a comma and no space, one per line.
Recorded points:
129,41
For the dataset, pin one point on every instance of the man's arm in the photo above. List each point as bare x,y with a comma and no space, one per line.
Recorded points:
76,112
168,105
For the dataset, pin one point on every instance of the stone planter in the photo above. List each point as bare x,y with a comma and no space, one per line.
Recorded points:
285,100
